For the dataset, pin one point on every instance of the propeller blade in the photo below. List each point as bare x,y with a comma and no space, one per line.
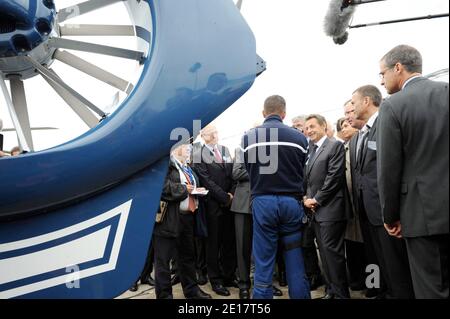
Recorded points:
40,128
93,70
77,106
20,104
14,116
82,8
53,77
60,43
96,30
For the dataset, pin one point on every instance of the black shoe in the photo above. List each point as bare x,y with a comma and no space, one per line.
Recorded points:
277,292
315,282
357,286
282,279
328,296
220,290
148,281
371,293
134,287
231,283
201,279
244,294
175,280
200,294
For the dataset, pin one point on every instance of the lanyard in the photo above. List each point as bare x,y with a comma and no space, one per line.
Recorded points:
189,176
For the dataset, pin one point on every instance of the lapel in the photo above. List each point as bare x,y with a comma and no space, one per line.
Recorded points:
353,143
213,157
371,137
318,153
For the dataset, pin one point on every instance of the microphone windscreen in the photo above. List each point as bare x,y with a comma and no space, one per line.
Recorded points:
341,39
338,18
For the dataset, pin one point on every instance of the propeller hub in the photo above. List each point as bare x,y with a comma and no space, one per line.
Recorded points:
25,26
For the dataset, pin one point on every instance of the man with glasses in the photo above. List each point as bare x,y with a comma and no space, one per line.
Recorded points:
413,172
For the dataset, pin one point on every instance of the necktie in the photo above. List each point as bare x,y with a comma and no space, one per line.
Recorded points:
362,144
217,155
191,205
312,153
189,177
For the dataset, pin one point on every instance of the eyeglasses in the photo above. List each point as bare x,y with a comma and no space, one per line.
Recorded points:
381,74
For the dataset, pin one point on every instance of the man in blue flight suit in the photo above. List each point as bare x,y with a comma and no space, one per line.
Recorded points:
274,158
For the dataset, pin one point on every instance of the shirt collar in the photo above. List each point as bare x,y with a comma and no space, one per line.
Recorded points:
273,117
409,80
320,142
372,120
211,147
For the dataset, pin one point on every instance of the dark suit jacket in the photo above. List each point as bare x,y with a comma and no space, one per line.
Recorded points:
366,178
413,148
174,192
352,149
325,181
215,177
241,199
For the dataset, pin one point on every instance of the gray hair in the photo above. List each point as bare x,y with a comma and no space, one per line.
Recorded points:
407,56
372,92
299,118
346,102
274,104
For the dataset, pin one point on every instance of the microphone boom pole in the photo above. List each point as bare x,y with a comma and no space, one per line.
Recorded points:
434,16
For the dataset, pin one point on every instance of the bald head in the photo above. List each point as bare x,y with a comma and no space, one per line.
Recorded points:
210,135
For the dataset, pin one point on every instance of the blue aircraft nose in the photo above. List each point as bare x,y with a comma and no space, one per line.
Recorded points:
24,24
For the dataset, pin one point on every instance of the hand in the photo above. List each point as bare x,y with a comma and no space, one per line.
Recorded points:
230,199
311,204
394,229
189,188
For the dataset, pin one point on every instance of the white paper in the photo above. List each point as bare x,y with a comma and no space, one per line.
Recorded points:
200,191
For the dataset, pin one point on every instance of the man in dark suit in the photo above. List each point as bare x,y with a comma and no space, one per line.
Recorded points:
413,172
362,223
390,251
243,223
214,167
325,197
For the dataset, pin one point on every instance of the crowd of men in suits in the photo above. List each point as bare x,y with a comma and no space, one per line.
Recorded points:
374,200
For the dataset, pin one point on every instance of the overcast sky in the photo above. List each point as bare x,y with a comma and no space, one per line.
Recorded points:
315,75
303,64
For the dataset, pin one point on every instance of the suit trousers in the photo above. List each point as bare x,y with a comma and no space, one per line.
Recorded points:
183,248
244,232
310,252
200,254
428,259
330,238
148,267
220,246
356,264
392,258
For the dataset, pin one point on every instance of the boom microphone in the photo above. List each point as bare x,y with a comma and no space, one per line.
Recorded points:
338,19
